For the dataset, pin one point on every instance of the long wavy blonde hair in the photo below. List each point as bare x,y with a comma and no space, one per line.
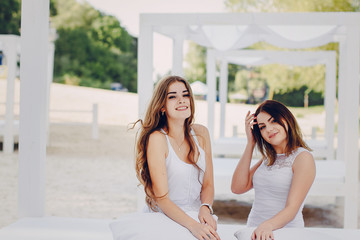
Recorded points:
155,120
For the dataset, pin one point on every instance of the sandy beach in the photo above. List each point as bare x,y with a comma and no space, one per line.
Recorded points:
95,178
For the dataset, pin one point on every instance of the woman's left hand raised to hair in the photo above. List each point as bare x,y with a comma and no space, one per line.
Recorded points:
249,123
206,218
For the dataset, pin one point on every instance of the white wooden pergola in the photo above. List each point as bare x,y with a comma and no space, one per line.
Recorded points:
231,145
235,31
10,45
33,107
33,113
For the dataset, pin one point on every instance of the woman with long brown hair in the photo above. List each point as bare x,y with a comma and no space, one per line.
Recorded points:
174,163
284,175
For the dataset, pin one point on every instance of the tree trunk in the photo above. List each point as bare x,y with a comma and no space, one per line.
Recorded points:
306,100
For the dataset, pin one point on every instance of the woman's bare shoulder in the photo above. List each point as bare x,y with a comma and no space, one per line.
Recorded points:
200,130
304,159
157,136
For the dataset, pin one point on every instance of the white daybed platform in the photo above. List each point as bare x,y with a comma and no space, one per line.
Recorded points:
58,228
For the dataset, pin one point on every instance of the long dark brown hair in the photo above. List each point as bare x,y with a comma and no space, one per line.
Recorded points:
280,113
155,120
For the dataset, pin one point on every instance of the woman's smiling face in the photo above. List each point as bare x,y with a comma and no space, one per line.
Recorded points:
177,101
272,131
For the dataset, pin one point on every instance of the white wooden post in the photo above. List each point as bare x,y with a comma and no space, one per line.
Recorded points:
211,95
95,127
341,91
178,55
33,73
11,45
145,65
351,127
330,99
223,90
145,81
51,54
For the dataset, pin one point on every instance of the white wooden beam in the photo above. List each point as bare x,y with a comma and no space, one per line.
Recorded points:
211,95
178,56
329,102
145,65
341,93
51,56
223,92
265,19
11,44
33,91
350,102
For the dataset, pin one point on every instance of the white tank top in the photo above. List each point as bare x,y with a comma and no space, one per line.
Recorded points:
184,179
272,185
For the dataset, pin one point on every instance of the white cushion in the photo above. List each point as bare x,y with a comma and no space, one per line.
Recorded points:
150,226
287,234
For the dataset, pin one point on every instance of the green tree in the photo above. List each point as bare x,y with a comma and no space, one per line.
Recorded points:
195,69
10,17
291,6
92,48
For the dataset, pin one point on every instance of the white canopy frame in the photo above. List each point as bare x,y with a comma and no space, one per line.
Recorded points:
34,89
258,57
10,45
329,27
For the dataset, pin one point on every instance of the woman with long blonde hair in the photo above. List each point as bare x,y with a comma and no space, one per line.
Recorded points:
174,163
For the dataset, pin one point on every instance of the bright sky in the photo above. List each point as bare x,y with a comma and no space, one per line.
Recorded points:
127,11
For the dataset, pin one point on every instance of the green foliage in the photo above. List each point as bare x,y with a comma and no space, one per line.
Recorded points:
237,78
10,17
94,64
291,6
107,31
92,48
295,97
196,63
53,9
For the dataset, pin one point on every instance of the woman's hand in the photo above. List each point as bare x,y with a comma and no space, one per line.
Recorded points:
206,218
249,123
263,232
203,231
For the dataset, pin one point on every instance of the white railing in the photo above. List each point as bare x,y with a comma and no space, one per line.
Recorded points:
94,122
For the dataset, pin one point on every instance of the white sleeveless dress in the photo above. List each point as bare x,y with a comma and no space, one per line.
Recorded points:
184,185
272,185
184,179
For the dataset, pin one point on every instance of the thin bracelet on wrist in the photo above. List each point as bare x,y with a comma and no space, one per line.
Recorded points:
209,207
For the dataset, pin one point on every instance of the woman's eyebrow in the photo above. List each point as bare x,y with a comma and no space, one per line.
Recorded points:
264,123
